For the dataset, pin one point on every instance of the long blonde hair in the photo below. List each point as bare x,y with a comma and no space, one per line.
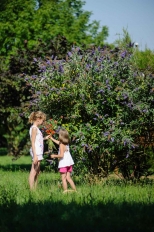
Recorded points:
34,115
64,136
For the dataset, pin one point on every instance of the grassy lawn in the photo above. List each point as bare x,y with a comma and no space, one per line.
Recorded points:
110,205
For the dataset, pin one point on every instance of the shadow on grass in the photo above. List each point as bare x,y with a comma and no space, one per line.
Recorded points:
15,167
3,151
59,217
22,167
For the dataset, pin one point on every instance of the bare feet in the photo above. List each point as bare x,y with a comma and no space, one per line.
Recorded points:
68,191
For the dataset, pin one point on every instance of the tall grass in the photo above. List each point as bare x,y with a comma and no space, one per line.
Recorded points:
109,205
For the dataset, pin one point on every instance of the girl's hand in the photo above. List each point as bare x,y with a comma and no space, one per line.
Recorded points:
48,136
52,156
35,160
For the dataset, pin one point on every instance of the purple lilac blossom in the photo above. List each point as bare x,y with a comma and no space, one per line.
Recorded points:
69,54
61,69
135,74
48,62
100,91
106,133
124,95
34,76
123,54
112,139
127,155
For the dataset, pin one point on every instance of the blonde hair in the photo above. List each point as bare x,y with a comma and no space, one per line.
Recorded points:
64,136
34,115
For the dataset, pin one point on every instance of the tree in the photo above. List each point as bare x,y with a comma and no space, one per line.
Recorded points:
32,20
16,20
14,91
125,41
144,60
30,30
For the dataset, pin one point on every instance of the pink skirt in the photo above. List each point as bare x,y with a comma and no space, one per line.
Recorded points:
66,169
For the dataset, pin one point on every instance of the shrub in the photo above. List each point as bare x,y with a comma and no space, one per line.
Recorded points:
103,102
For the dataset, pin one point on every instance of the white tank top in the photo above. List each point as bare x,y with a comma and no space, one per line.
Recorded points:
38,141
67,160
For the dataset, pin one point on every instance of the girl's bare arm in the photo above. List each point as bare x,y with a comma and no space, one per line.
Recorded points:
46,137
61,152
33,137
54,140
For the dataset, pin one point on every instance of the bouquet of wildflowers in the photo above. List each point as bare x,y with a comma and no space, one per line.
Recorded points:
49,128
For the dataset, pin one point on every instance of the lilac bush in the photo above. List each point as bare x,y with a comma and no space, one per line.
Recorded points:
104,103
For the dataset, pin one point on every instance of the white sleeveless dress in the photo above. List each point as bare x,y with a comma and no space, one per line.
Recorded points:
67,160
39,146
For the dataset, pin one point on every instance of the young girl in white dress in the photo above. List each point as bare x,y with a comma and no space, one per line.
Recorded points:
37,146
65,159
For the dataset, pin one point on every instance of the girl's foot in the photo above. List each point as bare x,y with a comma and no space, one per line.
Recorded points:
68,191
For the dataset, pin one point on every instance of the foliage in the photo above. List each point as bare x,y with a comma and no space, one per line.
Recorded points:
14,26
12,94
17,136
31,20
144,60
124,41
33,29
104,103
14,91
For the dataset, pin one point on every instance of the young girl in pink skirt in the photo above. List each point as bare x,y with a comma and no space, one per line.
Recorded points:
65,159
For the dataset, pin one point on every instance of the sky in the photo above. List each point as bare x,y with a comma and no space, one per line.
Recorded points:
137,16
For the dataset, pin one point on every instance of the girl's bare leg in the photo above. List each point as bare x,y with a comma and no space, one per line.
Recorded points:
32,176
37,168
70,181
64,182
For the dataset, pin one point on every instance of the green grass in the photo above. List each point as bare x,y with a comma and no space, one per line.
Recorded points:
109,205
